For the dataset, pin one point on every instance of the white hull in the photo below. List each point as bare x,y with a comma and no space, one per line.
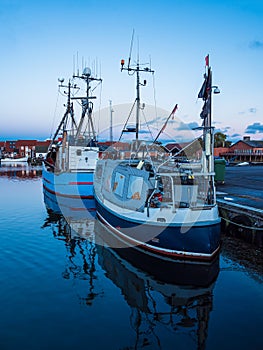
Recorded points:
14,160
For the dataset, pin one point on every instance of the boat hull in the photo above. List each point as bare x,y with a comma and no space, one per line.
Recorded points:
179,272
196,242
70,187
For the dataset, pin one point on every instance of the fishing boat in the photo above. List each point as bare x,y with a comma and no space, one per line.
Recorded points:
69,165
161,205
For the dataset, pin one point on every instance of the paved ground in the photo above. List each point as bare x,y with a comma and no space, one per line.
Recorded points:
243,185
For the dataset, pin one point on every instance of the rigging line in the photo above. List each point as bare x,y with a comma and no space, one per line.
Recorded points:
95,87
98,131
147,125
184,148
127,119
154,97
176,154
55,111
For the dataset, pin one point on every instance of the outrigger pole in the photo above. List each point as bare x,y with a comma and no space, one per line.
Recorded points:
165,124
69,110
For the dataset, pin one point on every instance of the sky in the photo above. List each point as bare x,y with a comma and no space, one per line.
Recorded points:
43,40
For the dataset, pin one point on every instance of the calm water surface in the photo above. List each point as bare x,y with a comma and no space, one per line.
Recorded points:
61,290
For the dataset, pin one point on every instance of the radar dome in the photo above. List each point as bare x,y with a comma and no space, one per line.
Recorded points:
87,71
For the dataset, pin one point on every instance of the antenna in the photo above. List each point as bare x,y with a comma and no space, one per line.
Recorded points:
73,65
77,63
138,50
132,71
129,61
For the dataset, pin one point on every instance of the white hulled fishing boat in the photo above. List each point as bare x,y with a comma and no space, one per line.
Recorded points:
159,204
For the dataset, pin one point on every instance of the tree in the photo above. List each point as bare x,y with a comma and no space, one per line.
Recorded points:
220,140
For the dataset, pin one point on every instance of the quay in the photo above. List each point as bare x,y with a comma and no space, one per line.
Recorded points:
240,202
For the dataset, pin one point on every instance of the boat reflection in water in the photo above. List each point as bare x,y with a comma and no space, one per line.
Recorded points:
73,209
176,295
170,294
78,234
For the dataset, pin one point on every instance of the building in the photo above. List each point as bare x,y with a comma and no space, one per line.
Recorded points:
245,150
23,148
186,150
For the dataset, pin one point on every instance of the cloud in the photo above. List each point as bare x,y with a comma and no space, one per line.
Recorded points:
252,110
224,130
153,121
234,137
256,45
144,132
254,128
189,126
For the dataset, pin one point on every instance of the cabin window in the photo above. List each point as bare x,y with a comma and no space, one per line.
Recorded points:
135,187
118,184
78,152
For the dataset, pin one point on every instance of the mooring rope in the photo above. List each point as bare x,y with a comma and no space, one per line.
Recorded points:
243,226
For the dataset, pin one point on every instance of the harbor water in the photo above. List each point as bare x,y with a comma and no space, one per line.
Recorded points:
62,288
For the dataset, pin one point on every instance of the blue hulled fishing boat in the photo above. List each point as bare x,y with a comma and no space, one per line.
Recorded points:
69,166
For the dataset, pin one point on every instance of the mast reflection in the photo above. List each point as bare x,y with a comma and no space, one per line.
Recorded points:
77,232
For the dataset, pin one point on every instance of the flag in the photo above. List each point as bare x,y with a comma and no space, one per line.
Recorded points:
207,60
202,91
206,87
204,112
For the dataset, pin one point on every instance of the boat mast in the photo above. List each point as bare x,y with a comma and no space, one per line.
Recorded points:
208,138
69,110
87,105
111,111
131,71
206,94
137,100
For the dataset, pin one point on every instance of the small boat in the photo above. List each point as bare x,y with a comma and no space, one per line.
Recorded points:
69,165
242,164
150,199
14,160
